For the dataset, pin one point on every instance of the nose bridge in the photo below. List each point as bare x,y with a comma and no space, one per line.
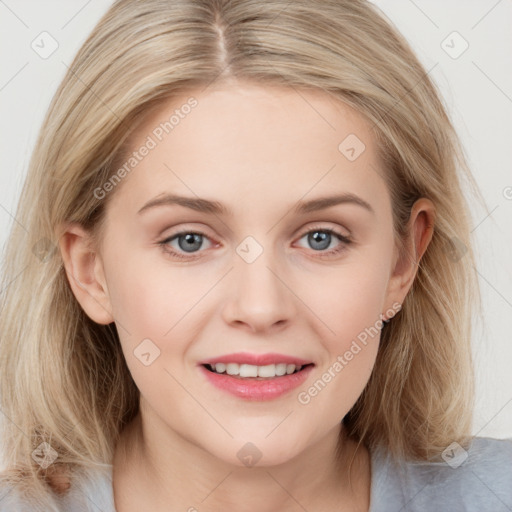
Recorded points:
258,296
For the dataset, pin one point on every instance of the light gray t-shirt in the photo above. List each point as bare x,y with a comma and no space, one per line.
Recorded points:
474,481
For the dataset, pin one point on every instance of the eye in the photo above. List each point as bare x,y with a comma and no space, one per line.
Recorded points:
189,242
186,244
322,238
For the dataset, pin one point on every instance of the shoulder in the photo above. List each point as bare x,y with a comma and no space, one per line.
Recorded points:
92,491
16,494
476,479
89,490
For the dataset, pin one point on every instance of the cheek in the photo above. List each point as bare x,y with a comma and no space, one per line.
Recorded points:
151,308
351,309
355,297
148,298
157,310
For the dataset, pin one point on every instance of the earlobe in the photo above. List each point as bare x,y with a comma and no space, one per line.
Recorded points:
85,273
420,229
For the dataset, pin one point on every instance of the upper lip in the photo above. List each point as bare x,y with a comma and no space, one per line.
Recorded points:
257,359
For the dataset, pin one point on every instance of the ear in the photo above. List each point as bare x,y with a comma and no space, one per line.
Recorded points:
420,229
85,272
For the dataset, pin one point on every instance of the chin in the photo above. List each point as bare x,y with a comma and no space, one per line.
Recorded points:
258,452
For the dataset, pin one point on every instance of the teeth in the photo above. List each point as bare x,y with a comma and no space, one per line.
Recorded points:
264,371
280,369
219,367
249,370
232,369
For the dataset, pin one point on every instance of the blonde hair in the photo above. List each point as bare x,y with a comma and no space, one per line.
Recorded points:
64,379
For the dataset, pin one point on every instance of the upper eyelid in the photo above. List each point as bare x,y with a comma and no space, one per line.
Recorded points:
320,227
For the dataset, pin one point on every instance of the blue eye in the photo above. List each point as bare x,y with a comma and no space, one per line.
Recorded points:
321,238
190,242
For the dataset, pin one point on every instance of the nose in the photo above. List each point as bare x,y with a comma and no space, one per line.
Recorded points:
259,298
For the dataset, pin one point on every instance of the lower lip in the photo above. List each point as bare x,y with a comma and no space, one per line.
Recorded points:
253,389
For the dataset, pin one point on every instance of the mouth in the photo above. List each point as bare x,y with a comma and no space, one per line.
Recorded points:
256,383
257,377
253,372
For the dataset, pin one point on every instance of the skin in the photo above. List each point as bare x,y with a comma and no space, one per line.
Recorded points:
258,150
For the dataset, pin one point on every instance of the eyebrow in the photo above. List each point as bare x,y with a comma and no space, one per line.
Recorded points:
216,208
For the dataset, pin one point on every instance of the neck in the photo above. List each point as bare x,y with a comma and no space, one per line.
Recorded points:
155,467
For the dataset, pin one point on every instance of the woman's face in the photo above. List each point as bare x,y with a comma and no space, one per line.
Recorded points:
262,277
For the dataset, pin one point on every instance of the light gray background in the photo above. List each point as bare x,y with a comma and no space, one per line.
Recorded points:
477,87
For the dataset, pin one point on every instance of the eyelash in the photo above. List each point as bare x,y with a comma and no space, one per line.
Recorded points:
332,252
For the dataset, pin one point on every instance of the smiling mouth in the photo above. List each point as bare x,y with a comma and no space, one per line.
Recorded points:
252,372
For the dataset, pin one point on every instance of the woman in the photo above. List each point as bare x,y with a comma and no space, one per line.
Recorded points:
190,346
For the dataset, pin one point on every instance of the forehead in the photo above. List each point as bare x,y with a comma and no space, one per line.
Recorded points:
249,143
